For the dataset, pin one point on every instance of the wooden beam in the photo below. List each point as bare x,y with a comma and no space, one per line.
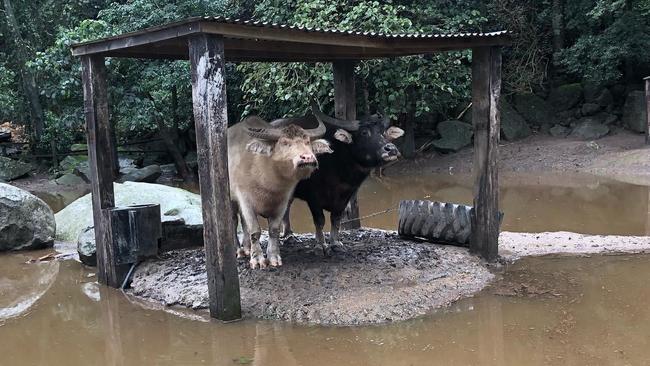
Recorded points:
211,119
345,107
101,163
486,90
647,106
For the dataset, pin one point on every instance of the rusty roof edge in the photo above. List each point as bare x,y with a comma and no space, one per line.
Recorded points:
253,23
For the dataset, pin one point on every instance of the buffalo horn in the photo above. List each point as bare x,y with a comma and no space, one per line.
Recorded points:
270,134
340,123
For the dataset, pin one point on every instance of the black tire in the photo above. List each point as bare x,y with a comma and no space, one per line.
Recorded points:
436,221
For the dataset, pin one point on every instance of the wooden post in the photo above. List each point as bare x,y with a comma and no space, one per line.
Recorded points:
100,161
486,90
647,106
211,119
345,107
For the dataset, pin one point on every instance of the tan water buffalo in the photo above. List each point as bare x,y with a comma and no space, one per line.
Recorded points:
265,164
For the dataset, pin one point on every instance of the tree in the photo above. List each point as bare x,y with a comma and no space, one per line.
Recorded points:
29,83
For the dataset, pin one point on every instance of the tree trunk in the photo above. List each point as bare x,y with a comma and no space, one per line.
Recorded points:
29,83
169,135
557,19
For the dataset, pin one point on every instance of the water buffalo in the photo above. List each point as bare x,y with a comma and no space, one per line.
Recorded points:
359,146
265,164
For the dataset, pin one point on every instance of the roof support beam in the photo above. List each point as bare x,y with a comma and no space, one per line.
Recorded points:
102,162
345,107
486,90
211,120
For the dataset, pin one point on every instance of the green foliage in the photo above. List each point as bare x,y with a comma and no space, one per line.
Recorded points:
413,86
611,35
8,96
604,40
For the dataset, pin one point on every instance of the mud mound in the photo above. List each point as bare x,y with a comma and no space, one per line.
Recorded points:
380,278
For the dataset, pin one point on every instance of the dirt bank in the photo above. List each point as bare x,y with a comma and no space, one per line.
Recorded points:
622,155
380,278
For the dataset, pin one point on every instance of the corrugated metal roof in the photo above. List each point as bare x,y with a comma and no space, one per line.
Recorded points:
253,40
257,23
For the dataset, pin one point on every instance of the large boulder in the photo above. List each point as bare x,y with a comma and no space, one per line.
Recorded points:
454,135
12,169
26,222
147,174
589,129
559,131
589,109
175,203
634,111
565,96
513,125
533,108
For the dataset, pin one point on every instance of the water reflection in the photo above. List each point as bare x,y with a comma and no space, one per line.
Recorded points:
565,311
531,203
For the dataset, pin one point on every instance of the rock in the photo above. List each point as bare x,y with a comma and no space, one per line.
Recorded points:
70,179
26,222
79,147
533,108
72,161
12,169
454,135
559,131
83,170
86,247
147,174
513,125
606,118
589,109
634,111
192,159
565,96
592,90
605,98
168,169
5,136
77,216
589,129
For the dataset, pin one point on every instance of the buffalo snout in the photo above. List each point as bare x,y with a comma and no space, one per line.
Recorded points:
306,160
390,152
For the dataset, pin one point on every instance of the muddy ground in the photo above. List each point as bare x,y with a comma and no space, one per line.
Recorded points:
622,155
380,278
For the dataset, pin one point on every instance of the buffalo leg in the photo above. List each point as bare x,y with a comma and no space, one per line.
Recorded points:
335,243
286,222
254,232
245,248
273,249
319,223
235,221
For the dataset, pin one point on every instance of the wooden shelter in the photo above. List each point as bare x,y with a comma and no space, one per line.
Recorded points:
210,42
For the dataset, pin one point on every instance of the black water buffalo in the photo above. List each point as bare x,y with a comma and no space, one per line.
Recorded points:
359,146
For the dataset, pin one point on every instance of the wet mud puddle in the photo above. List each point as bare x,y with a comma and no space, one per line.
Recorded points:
545,311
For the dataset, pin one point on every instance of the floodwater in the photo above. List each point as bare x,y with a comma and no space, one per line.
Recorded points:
543,311
546,311
531,203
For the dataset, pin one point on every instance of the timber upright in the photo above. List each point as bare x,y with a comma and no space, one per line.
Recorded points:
211,119
486,90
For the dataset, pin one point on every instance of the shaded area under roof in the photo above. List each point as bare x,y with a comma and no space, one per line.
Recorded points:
259,41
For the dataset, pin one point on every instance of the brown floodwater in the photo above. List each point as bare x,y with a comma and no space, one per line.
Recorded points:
531,203
545,311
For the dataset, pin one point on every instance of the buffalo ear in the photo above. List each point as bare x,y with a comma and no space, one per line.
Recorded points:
393,133
321,146
260,147
343,136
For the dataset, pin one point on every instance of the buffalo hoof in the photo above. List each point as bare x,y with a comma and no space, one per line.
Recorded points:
275,260
327,251
258,261
338,246
243,253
